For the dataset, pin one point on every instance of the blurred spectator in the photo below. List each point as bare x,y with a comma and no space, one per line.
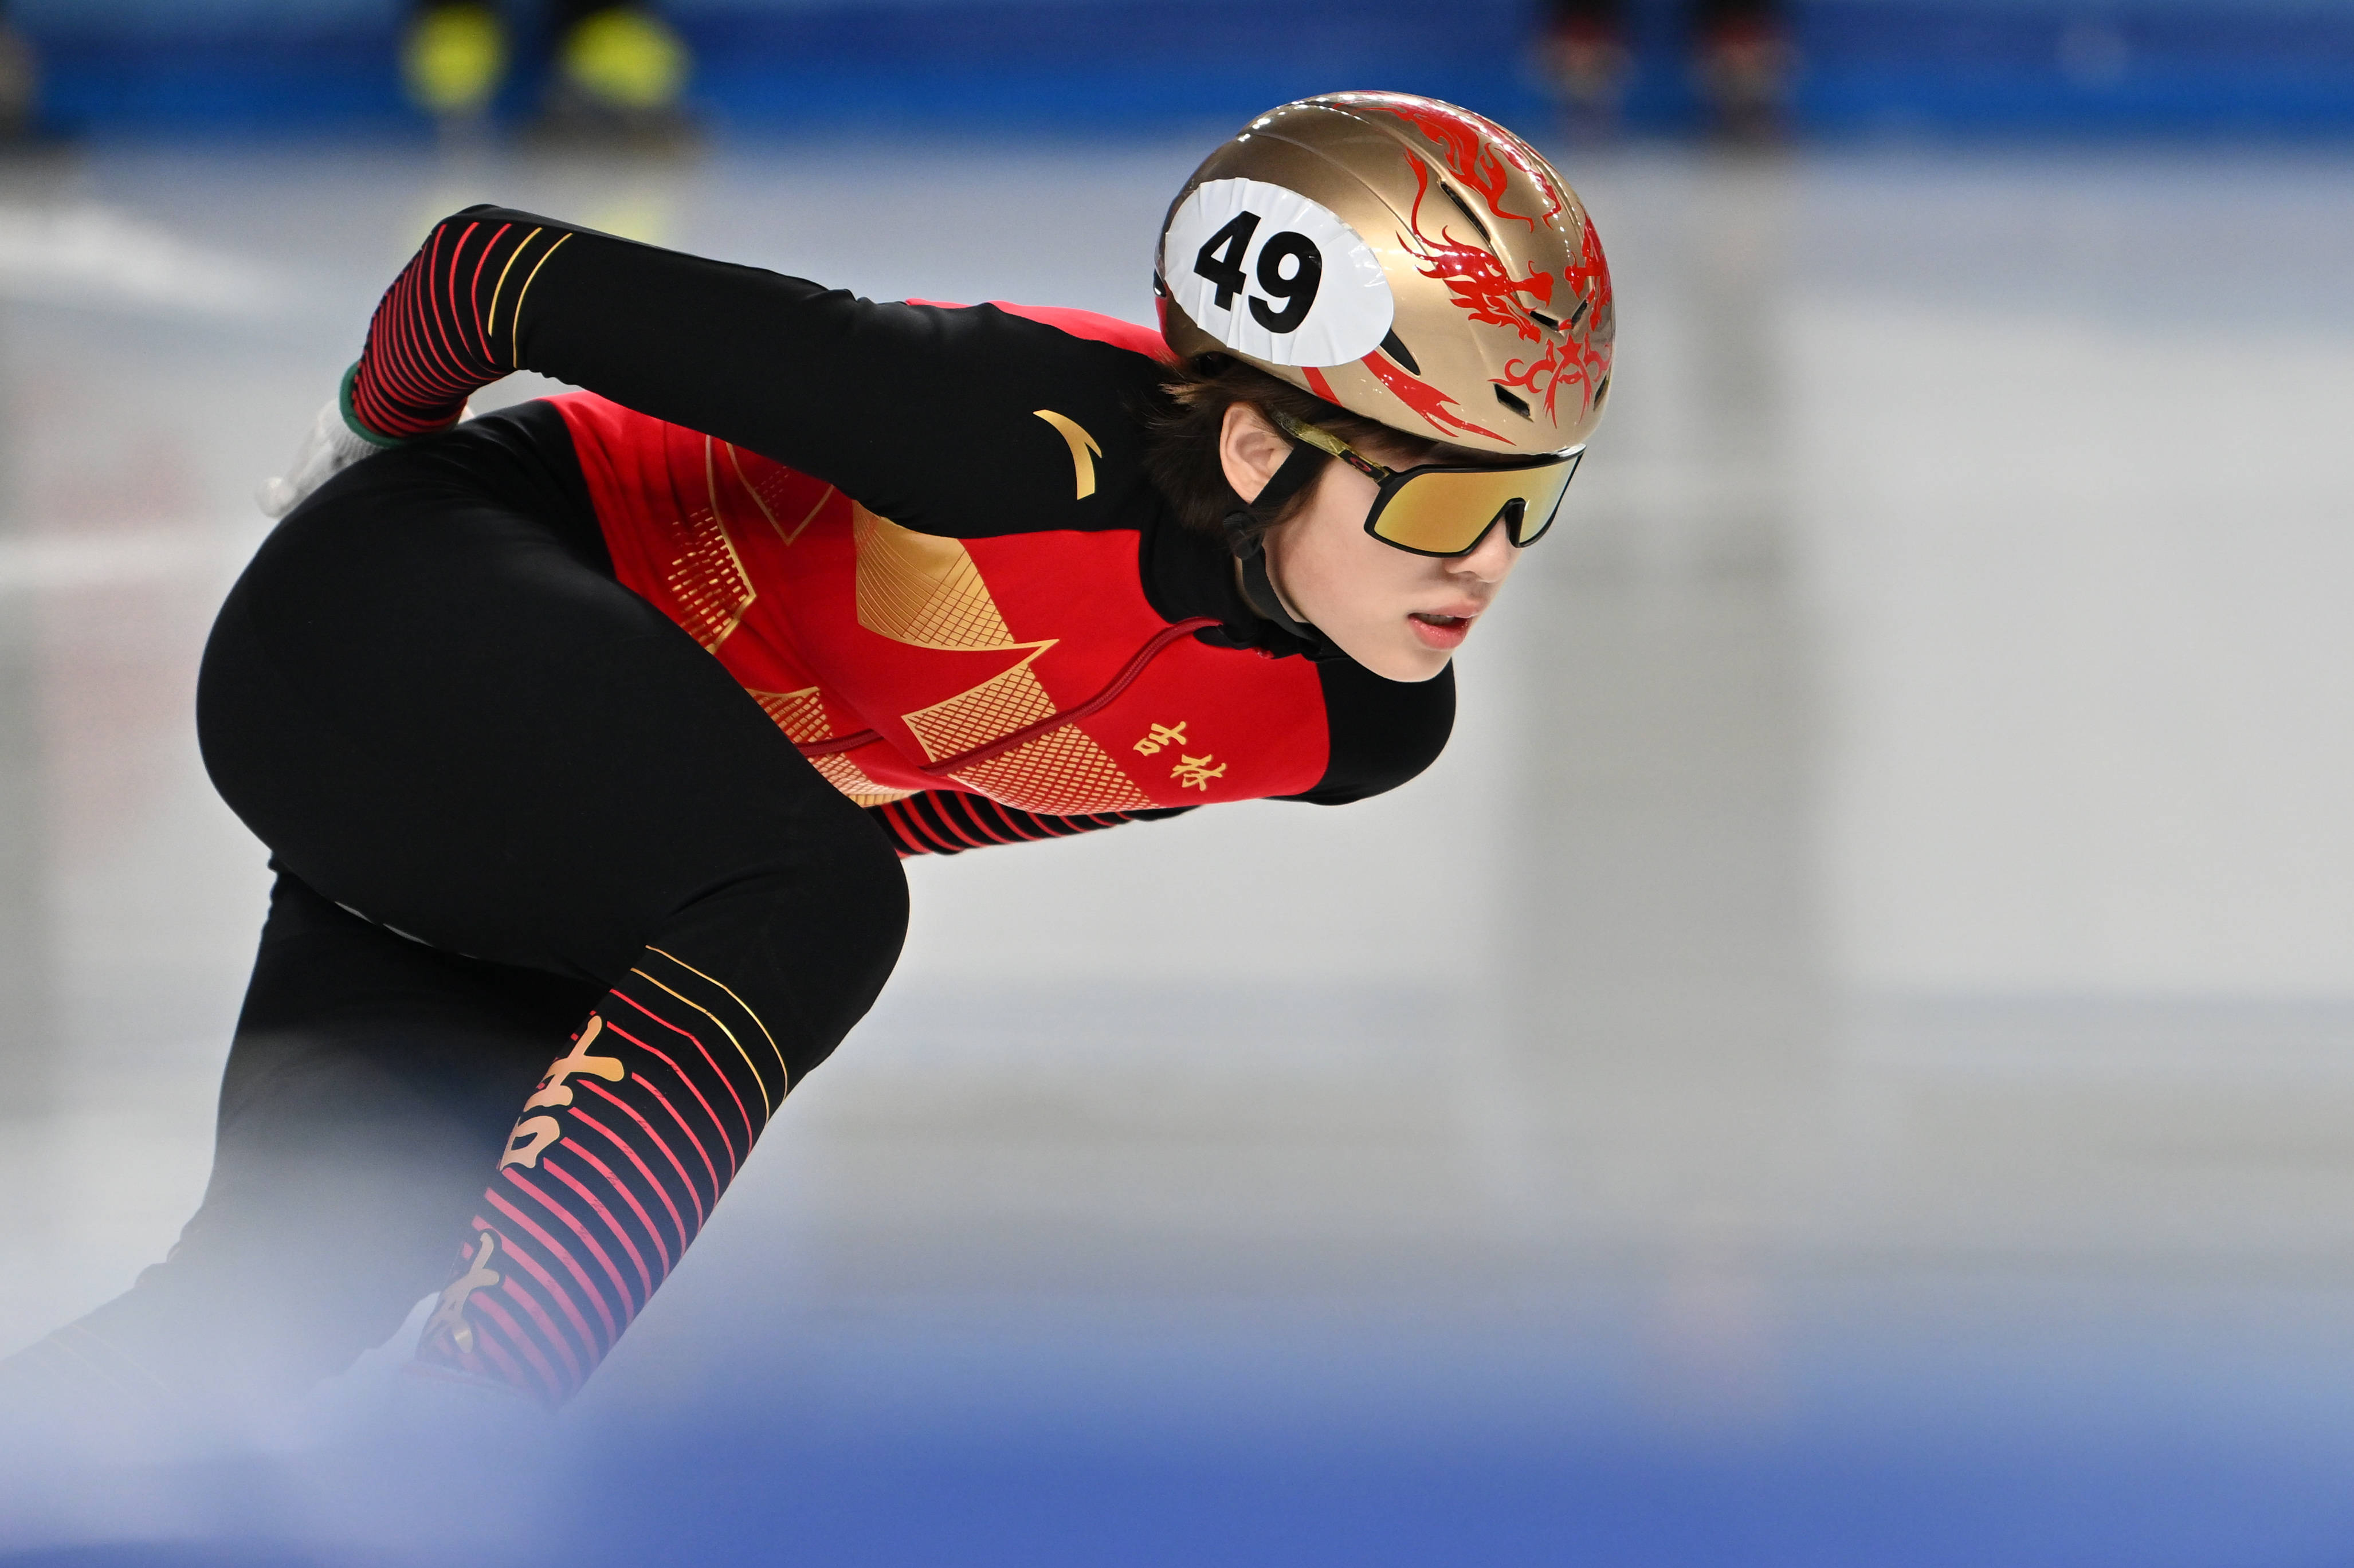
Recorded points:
1741,54
616,71
20,84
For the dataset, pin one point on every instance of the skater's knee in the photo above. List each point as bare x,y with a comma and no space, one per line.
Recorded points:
845,894
867,924
808,945
866,868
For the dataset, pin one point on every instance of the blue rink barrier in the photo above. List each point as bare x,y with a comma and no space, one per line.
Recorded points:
1965,66
2205,65
871,1447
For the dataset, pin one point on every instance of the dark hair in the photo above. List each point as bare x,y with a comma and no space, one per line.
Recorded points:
1182,435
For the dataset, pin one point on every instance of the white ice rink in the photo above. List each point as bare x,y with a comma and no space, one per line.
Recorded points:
1875,959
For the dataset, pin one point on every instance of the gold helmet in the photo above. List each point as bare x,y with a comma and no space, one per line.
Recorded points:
1411,262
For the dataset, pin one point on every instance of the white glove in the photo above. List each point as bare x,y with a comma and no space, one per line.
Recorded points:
332,447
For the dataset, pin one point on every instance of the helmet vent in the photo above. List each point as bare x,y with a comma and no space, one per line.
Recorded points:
1545,321
1465,209
1392,345
1514,404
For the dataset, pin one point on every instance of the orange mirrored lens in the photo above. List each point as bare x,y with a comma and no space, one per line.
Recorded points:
1444,512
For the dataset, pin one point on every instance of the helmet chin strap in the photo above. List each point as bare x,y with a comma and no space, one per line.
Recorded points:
1246,527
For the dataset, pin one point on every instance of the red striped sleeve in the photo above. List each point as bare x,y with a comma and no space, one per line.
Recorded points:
512,1331
556,1289
950,821
960,826
450,324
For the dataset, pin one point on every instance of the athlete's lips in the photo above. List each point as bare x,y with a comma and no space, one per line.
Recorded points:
1446,627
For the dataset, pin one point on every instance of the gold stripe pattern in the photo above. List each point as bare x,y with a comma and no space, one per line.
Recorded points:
767,1107
740,1001
515,333
491,328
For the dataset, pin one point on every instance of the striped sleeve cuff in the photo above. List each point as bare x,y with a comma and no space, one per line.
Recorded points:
452,322
949,821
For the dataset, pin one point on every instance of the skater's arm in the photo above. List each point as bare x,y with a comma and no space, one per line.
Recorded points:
927,415
950,821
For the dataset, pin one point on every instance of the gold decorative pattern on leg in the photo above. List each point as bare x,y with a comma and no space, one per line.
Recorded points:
449,1312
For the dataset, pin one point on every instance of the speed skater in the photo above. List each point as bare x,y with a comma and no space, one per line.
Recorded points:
586,737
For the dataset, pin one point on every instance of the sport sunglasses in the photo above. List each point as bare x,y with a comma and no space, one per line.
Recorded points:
1441,510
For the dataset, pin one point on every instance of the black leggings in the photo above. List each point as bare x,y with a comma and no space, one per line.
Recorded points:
430,699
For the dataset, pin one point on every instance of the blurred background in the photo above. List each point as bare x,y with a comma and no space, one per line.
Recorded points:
1848,1059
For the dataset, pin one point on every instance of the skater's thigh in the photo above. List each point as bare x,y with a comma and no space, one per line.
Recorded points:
360,1053
436,713
370,1087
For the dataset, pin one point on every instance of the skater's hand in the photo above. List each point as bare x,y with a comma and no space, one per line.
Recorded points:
334,444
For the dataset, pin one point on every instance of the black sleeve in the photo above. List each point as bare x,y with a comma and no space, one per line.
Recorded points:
928,416
950,821
1383,732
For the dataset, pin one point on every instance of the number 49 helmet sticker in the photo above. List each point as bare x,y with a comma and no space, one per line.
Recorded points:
1274,275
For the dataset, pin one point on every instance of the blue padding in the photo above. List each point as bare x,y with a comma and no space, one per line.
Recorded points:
227,87
1119,62
1956,66
2076,69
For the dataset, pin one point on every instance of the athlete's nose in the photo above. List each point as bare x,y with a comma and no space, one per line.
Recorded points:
1491,560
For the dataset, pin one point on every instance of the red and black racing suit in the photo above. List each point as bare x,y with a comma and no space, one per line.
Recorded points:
484,697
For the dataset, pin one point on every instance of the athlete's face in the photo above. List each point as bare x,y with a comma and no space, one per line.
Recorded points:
1398,614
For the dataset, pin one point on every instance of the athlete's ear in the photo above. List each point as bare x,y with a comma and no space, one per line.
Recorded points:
1250,450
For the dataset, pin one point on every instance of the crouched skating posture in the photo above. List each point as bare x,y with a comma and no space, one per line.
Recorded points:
585,736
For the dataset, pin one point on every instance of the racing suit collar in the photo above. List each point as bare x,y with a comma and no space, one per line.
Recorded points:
1188,573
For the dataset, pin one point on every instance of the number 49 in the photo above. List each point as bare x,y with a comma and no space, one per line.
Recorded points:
1220,262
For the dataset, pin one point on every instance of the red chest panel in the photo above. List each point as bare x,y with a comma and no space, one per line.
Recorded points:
840,623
